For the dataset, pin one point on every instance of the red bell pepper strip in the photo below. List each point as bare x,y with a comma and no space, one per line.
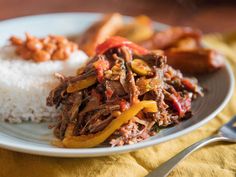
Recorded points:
181,105
117,41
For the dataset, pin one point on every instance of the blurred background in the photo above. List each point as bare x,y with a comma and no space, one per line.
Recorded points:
208,15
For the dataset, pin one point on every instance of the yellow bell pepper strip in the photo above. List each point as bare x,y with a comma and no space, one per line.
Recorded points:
80,70
68,133
91,140
82,84
69,130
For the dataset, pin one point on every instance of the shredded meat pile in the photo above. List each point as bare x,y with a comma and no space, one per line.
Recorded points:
118,84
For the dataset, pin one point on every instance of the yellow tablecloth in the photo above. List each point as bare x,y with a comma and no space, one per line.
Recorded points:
214,160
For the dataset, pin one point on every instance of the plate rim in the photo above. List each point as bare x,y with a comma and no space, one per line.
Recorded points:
92,152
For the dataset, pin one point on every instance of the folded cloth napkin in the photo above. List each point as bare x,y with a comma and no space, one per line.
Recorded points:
214,160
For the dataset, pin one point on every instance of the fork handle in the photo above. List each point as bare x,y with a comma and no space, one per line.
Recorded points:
164,169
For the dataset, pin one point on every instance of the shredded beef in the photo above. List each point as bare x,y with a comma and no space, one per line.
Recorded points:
117,88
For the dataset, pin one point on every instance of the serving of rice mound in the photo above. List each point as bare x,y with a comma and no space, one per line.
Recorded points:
24,85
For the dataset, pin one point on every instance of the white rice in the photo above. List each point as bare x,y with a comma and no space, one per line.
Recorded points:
24,85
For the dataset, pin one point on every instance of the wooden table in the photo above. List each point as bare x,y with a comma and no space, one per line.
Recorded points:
208,15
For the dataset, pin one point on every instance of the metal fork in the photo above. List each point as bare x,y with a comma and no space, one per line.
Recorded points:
226,133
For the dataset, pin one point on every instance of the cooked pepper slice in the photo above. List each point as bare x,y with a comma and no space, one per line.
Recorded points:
80,70
79,85
182,105
91,140
140,67
117,41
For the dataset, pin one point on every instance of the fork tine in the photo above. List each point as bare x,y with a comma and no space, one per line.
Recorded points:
231,122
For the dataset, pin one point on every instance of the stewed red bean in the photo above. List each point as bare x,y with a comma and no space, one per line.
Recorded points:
43,49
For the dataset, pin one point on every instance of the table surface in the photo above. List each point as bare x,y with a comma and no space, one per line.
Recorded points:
210,15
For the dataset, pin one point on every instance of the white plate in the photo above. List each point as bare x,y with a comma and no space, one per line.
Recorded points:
35,138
